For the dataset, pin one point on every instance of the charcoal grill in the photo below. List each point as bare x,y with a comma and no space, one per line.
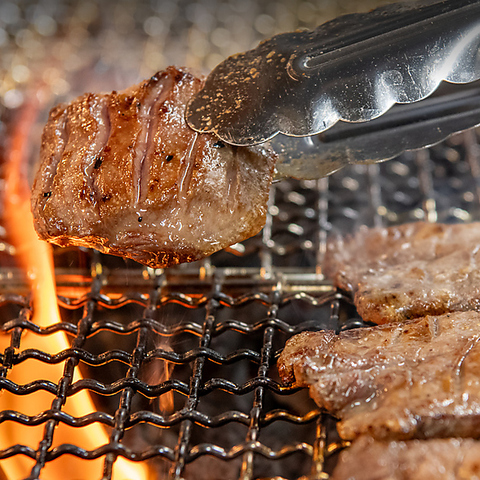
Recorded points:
218,325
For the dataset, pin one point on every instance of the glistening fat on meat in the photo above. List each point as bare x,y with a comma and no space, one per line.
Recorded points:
438,459
408,271
418,379
123,173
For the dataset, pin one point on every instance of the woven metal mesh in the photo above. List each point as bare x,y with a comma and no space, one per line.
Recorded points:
221,328
216,326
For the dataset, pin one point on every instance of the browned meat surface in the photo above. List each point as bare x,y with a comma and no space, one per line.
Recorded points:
448,459
409,271
123,173
419,379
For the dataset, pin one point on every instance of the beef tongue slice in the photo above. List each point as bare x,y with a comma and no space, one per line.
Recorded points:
419,379
408,271
123,173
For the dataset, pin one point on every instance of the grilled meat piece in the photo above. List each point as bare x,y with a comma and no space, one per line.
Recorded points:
409,271
447,459
418,379
123,173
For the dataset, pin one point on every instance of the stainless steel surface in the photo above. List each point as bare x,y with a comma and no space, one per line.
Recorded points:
354,69
402,128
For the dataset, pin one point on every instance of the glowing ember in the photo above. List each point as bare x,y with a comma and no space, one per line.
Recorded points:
35,257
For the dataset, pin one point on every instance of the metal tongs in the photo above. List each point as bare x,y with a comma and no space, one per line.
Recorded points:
354,90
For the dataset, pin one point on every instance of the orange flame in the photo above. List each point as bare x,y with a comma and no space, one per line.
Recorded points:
158,371
35,257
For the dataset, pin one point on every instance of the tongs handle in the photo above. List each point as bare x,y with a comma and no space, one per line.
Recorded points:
404,127
353,68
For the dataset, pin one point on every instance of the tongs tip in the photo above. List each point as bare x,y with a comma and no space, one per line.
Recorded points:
353,68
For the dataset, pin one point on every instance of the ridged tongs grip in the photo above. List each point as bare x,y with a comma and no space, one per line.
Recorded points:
353,68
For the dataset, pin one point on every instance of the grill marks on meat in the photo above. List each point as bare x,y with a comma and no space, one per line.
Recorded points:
419,379
55,129
440,459
408,271
149,120
123,173
93,159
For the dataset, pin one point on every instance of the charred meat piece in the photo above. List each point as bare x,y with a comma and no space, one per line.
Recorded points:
409,271
439,459
418,379
123,173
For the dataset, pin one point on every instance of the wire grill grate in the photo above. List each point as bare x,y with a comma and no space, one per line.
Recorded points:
220,330
194,391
